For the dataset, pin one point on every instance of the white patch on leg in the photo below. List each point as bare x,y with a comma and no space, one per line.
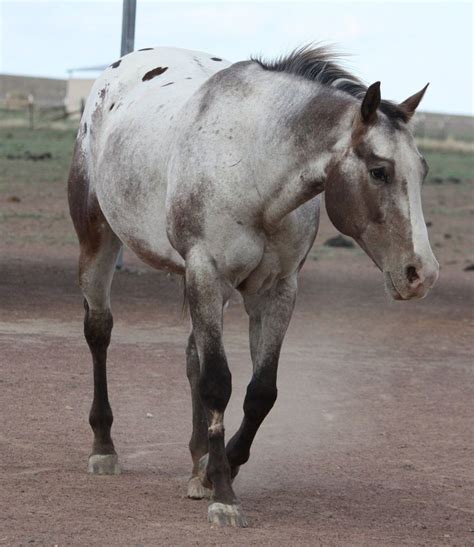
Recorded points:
104,464
217,423
202,471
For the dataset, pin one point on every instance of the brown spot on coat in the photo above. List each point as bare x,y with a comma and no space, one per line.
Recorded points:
155,72
116,64
215,59
169,83
369,214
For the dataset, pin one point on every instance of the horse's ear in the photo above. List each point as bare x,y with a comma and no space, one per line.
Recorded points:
411,104
371,102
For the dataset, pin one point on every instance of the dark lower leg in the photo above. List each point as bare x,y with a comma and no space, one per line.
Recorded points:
198,445
260,398
207,293
215,389
97,330
269,316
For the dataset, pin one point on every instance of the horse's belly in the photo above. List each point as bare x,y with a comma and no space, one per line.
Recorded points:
143,230
133,199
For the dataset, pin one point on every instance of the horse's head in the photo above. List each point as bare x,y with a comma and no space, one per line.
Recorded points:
373,194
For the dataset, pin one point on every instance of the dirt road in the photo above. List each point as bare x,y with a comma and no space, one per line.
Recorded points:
370,442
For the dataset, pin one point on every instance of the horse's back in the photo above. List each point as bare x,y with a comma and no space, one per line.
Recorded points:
124,139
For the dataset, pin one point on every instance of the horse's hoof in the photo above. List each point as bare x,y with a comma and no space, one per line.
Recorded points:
221,514
202,466
104,464
196,491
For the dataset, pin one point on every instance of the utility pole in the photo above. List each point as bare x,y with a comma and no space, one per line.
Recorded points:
128,43
128,26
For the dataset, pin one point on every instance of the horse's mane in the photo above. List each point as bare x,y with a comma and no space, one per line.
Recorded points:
319,65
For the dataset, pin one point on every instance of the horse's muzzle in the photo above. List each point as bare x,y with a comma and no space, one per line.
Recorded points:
414,281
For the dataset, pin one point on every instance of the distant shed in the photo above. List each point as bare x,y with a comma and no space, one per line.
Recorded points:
46,92
78,89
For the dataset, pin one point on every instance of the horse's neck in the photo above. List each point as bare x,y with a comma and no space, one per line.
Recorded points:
318,131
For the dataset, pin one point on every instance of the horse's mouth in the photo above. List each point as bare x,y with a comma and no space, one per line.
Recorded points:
413,294
391,289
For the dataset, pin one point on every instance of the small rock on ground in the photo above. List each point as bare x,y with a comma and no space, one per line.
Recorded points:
339,241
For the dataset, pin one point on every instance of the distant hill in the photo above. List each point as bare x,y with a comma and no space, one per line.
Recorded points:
444,127
49,92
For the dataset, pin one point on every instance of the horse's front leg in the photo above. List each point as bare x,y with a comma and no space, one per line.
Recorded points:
269,316
207,294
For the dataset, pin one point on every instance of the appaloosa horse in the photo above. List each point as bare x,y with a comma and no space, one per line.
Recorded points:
212,171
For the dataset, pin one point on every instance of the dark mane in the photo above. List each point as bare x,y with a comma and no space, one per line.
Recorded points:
319,64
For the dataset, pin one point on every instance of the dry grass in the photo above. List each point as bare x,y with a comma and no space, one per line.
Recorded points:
446,145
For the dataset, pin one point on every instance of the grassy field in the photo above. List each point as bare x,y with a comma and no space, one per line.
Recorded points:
449,166
33,198
20,148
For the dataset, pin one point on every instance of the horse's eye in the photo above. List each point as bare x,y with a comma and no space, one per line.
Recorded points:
379,173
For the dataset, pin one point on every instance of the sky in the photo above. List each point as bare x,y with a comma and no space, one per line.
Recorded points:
404,44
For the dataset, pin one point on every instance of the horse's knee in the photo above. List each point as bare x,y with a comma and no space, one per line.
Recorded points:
97,328
259,400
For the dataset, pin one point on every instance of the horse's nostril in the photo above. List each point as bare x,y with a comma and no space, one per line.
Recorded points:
412,274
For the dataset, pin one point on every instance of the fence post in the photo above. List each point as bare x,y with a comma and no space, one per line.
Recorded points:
31,106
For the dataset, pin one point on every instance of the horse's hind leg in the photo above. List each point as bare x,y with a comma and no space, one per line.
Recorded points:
99,248
96,272
198,445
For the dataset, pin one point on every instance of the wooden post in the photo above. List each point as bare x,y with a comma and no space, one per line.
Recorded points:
31,106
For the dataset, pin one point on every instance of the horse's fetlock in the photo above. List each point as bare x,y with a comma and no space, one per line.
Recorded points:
101,420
